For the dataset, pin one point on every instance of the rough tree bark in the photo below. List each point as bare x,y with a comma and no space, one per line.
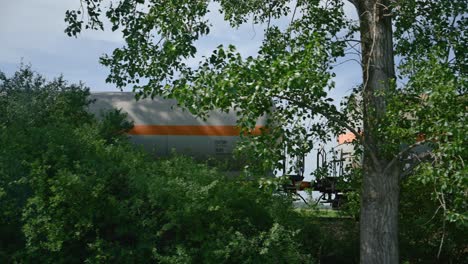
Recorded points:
380,187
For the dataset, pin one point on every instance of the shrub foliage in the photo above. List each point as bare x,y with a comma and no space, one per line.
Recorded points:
73,190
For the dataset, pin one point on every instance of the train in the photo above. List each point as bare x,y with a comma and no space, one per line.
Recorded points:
162,127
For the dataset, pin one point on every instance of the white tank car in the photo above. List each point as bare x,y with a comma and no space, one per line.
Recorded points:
160,126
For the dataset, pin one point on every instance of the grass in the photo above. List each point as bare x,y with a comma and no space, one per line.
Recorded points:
325,213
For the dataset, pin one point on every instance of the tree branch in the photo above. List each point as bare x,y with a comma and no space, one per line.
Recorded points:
407,172
441,198
398,156
294,13
421,159
348,60
353,2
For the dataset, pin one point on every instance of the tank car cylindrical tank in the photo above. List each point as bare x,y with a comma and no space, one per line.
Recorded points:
160,126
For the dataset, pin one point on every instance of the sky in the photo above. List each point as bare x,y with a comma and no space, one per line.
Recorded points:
32,32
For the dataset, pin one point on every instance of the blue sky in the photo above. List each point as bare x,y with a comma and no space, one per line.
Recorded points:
32,32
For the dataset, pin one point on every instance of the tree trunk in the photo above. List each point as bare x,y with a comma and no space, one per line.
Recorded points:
380,187
379,217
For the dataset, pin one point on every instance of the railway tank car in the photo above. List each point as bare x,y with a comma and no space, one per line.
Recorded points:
161,127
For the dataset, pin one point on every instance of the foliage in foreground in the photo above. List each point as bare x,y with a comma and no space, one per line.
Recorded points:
293,71
73,190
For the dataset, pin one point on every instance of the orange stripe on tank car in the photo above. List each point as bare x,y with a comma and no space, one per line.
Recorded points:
190,130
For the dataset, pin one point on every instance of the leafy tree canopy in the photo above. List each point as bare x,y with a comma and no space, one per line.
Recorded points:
293,70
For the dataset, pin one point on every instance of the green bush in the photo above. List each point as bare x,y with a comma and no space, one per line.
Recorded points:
34,114
73,190
423,231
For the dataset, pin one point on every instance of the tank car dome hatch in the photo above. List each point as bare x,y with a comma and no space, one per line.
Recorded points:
160,127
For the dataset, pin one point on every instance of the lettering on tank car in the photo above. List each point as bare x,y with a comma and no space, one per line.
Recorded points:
221,146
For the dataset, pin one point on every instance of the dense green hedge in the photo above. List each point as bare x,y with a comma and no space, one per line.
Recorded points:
73,190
